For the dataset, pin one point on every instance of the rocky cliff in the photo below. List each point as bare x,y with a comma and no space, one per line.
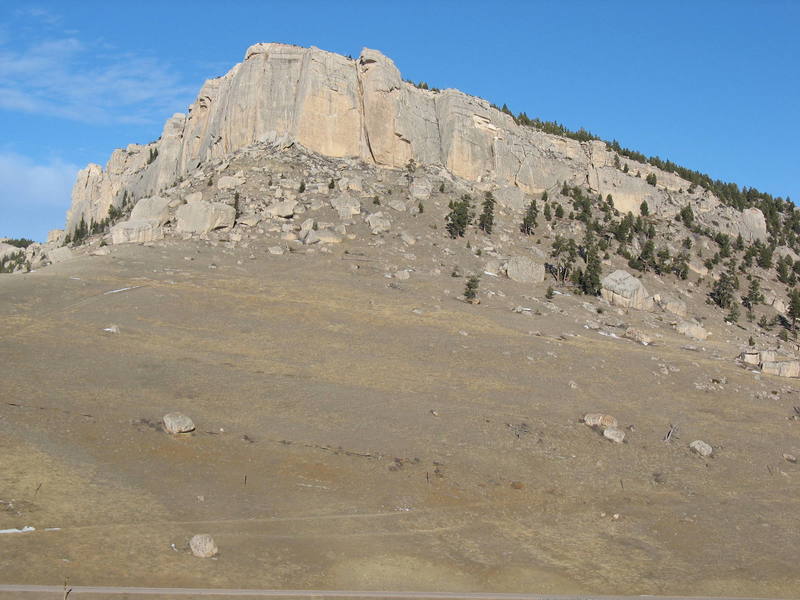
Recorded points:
361,108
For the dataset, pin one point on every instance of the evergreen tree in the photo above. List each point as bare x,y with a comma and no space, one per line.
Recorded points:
644,209
459,217
486,220
794,308
722,293
548,216
471,289
733,313
549,293
529,221
651,179
590,279
559,211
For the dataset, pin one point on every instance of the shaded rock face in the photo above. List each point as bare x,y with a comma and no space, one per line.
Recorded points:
362,109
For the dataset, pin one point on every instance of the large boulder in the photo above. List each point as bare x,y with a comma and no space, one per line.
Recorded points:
178,423
692,329
525,270
346,206
60,254
378,223
202,216
284,209
620,288
786,368
202,545
672,305
136,232
155,209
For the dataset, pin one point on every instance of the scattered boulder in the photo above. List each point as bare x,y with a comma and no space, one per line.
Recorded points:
701,448
600,420
136,232
202,216
397,204
346,206
620,288
202,545
378,223
421,189
193,197
407,238
326,236
692,329
178,423
672,305
57,255
785,368
525,270
154,209
229,182
637,336
615,435
283,209
750,357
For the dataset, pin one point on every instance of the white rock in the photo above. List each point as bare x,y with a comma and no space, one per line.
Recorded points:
178,423
202,217
614,434
692,329
193,197
276,250
378,223
154,209
229,182
203,546
620,288
283,209
525,270
346,206
701,448
137,232
60,254
600,420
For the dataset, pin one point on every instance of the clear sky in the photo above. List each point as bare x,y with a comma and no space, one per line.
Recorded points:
711,85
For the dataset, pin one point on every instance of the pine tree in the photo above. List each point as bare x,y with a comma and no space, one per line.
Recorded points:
794,308
486,220
733,313
559,211
529,221
471,289
548,216
459,217
644,209
590,280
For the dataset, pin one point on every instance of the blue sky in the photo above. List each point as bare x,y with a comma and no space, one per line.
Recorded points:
714,86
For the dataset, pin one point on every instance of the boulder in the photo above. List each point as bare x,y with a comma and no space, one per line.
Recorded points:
692,329
346,206
283,209
202,216
60,254
136,232
407,238
620,288
397,204
614,434
229,182
421,188
750,357
202,545
600,420
672,305
193,197
786,368
637,336
326,236
700,447
177,423
525,270
378,223
154,209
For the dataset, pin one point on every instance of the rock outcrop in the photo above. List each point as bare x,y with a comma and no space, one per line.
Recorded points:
362,109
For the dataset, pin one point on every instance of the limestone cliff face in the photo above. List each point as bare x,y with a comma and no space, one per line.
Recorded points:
362,108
